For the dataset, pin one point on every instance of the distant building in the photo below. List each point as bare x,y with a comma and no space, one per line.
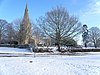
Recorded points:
25,32
44,41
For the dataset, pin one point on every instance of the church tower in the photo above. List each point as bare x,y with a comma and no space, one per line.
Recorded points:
25,29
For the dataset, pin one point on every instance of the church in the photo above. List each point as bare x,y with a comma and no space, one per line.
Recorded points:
25,32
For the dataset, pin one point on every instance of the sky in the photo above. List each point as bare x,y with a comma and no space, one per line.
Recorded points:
88,11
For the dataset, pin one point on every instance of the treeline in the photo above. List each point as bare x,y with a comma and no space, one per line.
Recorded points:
57,24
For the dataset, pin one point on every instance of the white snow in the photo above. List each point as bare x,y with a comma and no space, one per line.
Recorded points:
12,50
51,65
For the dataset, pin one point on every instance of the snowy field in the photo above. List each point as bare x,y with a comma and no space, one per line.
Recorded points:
51,65
12,50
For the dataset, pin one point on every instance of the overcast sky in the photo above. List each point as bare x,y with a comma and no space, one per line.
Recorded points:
88,11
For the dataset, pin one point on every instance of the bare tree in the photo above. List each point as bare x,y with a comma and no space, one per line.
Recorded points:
16,24
94,36
11,36
58,24
38,35
3,23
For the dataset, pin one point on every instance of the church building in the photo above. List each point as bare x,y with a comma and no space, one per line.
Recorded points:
25,32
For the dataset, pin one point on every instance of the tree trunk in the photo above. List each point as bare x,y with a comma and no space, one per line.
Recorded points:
59,47
0,40
0,36
85,44
95,45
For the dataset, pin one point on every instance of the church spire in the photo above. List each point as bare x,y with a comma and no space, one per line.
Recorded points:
26,16
25,28
26,9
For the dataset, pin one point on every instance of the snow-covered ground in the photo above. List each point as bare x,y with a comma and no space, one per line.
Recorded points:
51,65
12,50
16,52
